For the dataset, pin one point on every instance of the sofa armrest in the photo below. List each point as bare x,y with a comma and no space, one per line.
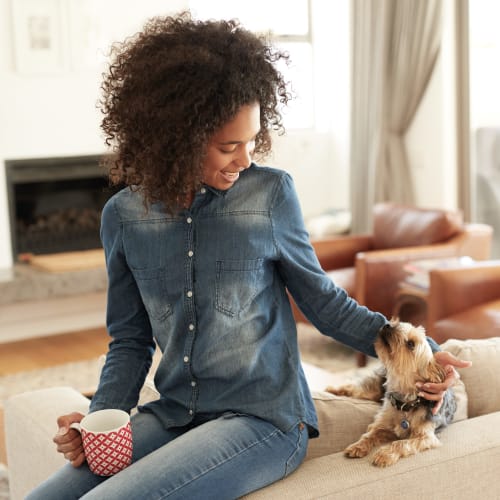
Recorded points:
339,252
30,425
457,289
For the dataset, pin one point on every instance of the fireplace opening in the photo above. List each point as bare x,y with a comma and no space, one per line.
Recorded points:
55,204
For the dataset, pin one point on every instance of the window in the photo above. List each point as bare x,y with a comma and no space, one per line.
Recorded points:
484,53
288,21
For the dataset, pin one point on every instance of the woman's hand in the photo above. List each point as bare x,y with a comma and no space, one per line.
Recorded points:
435,392
69,441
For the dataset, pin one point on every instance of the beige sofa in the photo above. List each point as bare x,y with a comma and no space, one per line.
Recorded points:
466,466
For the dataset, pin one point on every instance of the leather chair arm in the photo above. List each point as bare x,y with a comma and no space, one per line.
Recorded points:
380,272
457,289
339,252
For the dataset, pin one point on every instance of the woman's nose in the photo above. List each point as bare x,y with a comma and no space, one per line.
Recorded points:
244,159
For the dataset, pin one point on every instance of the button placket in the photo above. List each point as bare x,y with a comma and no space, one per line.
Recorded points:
190,317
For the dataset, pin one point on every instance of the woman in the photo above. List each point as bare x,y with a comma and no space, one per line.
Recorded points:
201,248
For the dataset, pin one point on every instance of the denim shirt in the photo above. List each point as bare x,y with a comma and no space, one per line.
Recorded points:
208,286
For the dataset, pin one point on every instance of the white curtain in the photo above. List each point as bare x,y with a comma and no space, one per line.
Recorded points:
395,47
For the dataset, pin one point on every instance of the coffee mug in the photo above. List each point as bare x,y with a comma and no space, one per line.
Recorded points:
107,441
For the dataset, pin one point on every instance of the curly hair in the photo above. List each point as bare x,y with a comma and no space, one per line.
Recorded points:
170,87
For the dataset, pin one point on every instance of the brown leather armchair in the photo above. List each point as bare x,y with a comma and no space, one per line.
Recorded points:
370,267
464,303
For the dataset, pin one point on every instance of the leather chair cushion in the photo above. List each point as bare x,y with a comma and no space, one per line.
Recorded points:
396,226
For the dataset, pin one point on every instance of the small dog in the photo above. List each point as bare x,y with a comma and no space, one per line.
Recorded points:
405,420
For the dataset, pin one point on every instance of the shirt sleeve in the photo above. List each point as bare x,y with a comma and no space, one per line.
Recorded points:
130,352
325,305
434,345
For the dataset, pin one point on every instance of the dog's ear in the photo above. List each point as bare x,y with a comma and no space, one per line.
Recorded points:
394,322
389,327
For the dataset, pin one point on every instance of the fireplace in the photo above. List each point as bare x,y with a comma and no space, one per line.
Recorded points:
55,203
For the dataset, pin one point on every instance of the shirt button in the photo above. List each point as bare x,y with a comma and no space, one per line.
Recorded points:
190,253
186,359
191,327
193,384
203,190
189,220
190,412
189,294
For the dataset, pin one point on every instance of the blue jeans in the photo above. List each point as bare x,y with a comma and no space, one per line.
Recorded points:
221,458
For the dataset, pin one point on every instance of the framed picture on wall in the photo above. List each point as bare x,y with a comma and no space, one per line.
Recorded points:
39,31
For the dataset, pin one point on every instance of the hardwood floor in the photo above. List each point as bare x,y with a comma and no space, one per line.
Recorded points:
54,350
48,351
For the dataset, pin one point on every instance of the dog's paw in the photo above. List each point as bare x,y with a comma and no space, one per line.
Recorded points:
385,457
345,390
357,450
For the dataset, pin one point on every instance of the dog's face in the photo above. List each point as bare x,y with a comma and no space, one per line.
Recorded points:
406,354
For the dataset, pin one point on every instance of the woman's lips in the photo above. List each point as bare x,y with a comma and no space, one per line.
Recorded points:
230,176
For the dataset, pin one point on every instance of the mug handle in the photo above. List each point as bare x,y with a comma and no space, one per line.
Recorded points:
76,426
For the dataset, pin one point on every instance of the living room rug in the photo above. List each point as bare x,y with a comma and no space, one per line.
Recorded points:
81,375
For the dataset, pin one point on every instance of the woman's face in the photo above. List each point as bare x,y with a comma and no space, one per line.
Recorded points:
230,149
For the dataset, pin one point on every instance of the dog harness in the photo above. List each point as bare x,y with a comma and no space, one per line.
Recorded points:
408,404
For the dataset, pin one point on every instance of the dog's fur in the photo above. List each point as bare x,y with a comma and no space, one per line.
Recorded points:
406,359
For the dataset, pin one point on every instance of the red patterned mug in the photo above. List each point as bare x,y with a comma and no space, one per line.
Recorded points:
107,441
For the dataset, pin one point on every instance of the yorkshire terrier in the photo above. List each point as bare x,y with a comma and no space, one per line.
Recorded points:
405,423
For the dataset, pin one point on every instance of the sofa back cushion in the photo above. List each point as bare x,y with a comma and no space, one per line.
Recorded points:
397,226
482,380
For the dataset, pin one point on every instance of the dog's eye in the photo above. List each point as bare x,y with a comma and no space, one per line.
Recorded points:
410,344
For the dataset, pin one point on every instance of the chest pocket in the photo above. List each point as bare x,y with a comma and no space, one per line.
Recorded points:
238,282
152,284
147,254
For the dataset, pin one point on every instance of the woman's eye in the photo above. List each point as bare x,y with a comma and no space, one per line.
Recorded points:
227,151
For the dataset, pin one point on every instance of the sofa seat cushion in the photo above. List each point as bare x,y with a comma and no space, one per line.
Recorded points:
481,380
470,323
